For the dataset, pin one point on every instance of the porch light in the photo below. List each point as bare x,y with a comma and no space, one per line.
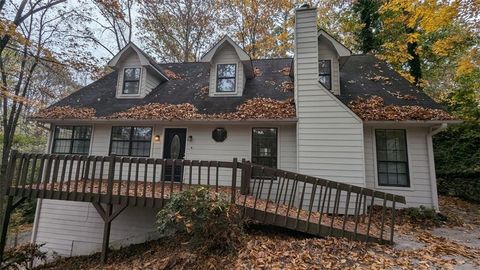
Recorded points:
157,138
190,138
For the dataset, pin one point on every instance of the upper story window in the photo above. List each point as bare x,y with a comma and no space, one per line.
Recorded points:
131,81
325,73
226,77
72,140
131,141
392,158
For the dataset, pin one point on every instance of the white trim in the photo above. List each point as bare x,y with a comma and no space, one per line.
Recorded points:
341,49
223,94
431,164
410,174
121,76
171,122
207,57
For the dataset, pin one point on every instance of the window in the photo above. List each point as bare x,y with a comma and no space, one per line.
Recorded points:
264,146
226,74
325,73
72,140
131,141
131,81
392,160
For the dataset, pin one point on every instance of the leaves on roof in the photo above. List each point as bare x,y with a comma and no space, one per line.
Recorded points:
66,112
374,108
257,71
287,86
171,75
398,95
256,108
285,71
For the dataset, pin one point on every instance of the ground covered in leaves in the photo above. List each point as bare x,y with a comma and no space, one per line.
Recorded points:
429,245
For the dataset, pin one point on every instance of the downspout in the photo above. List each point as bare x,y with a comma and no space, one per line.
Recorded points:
431,161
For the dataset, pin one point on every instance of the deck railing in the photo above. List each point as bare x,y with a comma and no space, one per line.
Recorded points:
272,196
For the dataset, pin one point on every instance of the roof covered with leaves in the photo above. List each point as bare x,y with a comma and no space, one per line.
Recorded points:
364,79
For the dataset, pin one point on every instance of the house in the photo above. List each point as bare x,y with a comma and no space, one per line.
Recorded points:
327,113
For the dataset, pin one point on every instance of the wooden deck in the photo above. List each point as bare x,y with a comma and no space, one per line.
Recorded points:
266,195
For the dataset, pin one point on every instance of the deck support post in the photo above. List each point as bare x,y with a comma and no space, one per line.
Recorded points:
108,215
106,234
9,207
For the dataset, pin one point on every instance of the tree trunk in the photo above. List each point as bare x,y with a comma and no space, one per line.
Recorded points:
415,62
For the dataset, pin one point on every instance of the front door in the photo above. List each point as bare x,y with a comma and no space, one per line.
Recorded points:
174,148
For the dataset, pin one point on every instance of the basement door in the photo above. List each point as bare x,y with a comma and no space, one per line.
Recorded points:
174,148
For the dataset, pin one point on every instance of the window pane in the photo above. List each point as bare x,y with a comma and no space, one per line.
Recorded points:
62,146
264,146
63,132
226,70
226,85
120,148
130,87
325,80
80,147
142,133
324,67
141,149
132,74
392,157
82,133
121,133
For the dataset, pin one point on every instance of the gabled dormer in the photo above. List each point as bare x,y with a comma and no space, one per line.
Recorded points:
230,67
330,52
138,74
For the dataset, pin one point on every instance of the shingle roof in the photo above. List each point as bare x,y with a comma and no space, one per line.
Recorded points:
100,95
365,75
361,76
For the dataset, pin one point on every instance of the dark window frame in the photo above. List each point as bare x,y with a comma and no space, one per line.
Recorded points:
227,78
127,81
72,139
131,140
276,145
406,162
327,74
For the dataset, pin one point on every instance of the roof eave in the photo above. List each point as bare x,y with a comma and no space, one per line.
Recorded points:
170,122
411,122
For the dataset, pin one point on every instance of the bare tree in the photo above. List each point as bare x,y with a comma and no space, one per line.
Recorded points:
115,23
31,28
179,30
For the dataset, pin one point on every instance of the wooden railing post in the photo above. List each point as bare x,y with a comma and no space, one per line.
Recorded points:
111,175
8,177
234,179
246,177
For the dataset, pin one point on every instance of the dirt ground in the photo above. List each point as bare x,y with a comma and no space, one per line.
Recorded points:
454,244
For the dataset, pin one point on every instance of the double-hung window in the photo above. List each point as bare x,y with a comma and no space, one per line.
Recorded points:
72,140
392,157
325,73
131,141
226,77
131,81
264,146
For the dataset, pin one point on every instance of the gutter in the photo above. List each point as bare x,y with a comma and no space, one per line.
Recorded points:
431,161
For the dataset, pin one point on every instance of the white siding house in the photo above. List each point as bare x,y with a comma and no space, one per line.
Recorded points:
323,137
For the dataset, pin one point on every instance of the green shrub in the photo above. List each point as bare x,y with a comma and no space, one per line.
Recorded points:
423,215
462,185
208,220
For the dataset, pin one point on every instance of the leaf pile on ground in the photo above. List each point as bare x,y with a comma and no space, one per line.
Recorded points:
374,108
66,112
256,108
270,248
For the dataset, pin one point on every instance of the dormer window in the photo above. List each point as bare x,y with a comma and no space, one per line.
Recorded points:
226,77
325,73
131,81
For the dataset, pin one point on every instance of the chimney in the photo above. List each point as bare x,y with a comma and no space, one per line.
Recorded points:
306,47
